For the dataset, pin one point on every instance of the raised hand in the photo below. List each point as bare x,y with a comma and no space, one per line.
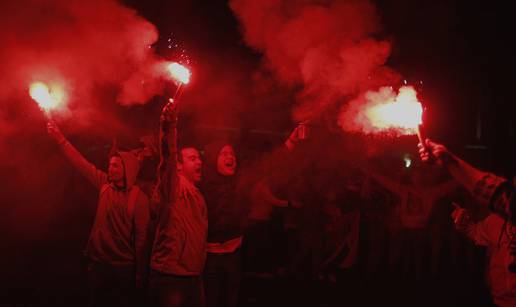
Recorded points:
432,149
168,112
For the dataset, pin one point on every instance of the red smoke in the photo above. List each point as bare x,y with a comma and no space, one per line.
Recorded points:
328,47
98,51
93,49
84,44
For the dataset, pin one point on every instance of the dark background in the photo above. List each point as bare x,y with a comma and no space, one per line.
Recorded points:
462,51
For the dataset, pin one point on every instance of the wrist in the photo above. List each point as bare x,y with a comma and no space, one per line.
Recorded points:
290,144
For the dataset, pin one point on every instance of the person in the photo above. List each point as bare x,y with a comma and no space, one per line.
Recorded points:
226,219
179,249
498,236
118,242
488,190
417,198
261,241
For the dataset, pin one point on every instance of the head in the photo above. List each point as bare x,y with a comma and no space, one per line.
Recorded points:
226,161
116,171
189,164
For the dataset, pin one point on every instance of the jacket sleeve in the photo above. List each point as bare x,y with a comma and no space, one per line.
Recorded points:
168,180
497,193
88,170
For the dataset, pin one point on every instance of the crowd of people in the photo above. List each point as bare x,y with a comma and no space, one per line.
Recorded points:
186,235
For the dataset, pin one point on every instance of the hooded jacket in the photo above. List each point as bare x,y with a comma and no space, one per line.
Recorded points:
226,209
119,232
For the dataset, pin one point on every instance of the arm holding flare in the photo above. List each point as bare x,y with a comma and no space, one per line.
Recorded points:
489,190
167,170
87,169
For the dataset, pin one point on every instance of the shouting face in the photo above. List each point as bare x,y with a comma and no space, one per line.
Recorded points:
190,164
226,161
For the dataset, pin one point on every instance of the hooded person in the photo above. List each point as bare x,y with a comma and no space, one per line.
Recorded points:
226,219
118,242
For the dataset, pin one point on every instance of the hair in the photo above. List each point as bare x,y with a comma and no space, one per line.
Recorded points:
180,151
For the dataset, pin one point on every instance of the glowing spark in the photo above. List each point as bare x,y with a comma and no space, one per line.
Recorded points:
179,73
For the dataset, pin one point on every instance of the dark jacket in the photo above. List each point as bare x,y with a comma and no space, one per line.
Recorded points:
226,207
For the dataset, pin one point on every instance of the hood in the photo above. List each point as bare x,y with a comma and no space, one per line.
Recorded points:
131,167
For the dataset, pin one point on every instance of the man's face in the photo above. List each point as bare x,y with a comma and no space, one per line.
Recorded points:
226,161
191,165
116,170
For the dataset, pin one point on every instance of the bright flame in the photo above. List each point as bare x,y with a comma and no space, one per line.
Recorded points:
47,99
403,112
179,72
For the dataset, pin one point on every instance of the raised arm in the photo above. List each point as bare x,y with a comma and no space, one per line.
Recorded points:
94,175
487,189
167,169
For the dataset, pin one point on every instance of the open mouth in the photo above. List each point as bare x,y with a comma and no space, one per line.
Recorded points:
229,163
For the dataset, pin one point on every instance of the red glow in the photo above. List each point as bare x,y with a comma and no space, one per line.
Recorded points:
179,73
47,98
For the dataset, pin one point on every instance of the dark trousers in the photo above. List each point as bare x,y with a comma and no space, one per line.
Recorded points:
110,285
258,248
222,277
167,290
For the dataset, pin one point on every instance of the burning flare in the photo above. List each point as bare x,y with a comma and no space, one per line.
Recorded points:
402,112
179,73
47,99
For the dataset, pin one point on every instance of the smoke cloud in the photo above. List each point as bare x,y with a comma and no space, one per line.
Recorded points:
330,49
98,51
85,46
